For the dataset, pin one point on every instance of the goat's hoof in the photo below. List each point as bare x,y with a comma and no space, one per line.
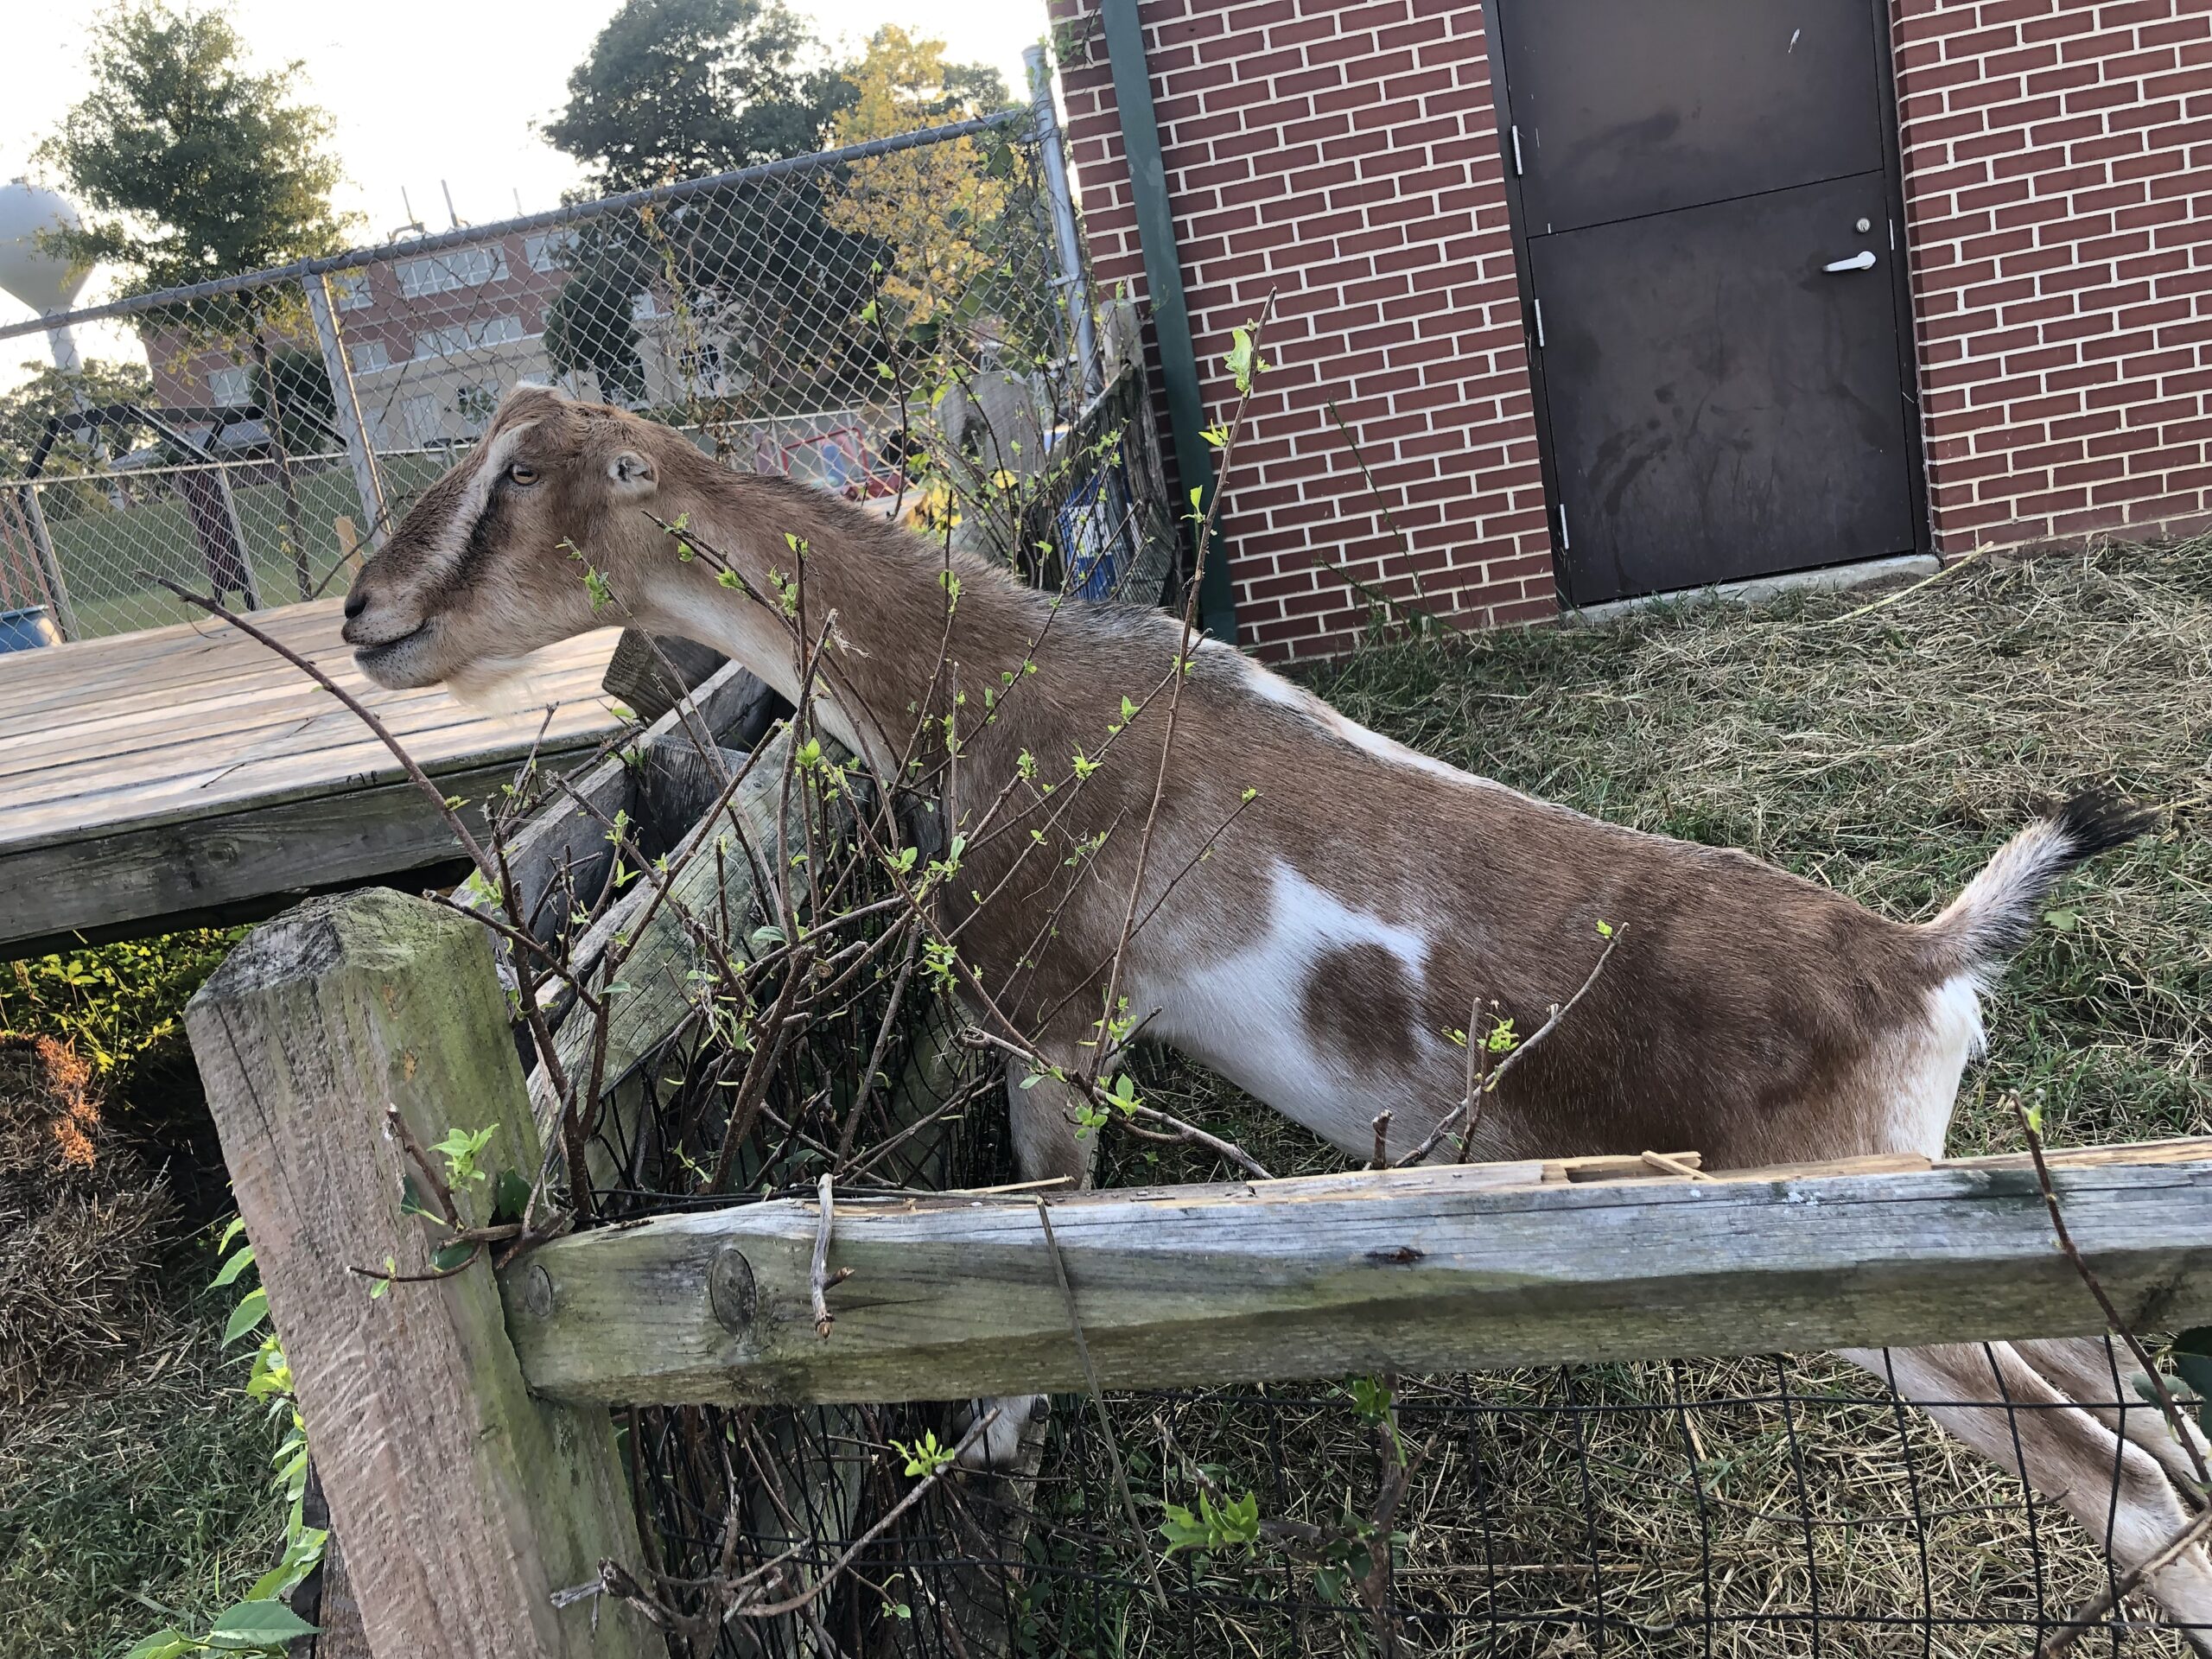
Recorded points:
999,1446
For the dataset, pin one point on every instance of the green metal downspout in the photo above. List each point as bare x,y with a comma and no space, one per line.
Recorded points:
1171,315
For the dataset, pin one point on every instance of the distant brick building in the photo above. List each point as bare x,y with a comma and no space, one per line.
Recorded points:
1365,163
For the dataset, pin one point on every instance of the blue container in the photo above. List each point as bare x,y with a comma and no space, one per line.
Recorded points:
27,629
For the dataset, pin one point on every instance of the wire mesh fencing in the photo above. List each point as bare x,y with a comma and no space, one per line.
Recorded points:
904,321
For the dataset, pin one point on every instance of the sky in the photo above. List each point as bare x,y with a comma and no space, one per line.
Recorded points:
431,94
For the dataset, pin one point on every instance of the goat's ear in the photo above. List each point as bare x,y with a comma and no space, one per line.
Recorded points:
632,475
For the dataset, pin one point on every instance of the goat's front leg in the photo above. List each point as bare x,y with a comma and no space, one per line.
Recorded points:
1042,1113
2117,1491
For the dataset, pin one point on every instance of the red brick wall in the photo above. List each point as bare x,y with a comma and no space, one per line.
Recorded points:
2061,224
1346,157
2058,181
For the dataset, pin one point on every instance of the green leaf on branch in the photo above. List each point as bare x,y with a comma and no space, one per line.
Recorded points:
239,1262
252,1309
510,1198
256,1624
1231,1525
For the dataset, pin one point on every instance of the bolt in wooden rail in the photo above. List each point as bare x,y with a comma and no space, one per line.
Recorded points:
464,1504
1437,1269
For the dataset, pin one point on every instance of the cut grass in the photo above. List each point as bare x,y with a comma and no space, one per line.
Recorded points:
150,1491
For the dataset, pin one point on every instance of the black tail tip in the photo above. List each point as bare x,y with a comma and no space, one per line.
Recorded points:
2096,821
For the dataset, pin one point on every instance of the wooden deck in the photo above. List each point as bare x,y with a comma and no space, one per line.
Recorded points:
188,774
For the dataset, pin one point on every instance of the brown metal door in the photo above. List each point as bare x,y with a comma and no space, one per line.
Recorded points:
1707,207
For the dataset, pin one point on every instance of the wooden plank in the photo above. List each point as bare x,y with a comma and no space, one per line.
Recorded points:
203,793
661,955
463,1502
1425,1269
638,672
152,877
294,719
565,835
195,782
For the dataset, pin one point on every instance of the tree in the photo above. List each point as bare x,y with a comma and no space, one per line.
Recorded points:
674,89
936,206
25,410
196,166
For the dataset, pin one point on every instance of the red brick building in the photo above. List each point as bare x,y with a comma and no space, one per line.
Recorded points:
1696,199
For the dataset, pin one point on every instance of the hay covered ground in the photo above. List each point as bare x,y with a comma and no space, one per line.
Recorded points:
1885,752
134,1475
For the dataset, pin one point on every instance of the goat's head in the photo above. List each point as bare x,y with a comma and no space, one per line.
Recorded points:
530,540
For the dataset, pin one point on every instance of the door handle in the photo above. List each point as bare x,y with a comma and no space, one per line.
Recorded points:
1864,260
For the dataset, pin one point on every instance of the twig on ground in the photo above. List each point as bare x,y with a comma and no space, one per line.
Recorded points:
2079,1621
1903,593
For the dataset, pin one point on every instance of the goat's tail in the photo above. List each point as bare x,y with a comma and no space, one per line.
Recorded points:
1993,917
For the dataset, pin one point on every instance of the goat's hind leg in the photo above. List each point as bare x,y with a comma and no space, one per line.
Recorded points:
2094,1372
1989,1397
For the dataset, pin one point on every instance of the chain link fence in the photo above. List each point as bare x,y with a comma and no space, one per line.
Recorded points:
904,321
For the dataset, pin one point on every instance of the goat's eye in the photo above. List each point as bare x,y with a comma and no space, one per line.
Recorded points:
522,473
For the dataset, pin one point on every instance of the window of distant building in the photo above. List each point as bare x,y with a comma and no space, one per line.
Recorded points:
547,250
423,426
442,273
467,337
351,289
230,386
370,355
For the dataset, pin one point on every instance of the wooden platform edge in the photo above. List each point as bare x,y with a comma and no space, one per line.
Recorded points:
156,877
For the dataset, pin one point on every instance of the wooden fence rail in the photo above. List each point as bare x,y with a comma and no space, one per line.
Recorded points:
1425,1269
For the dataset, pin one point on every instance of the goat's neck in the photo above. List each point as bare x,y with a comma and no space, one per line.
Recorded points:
892,650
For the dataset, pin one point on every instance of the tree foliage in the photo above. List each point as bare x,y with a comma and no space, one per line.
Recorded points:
194,166
673,89
25,410
933,206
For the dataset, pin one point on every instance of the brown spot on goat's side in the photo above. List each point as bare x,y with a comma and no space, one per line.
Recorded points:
1358,1002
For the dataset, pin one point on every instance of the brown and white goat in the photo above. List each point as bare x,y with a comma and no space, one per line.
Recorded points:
1347,919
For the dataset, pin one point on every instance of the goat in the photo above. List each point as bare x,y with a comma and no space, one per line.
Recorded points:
1348,918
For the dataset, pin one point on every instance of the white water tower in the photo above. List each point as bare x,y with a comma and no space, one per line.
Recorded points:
40,278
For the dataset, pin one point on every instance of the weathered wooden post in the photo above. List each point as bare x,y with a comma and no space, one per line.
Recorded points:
464,1504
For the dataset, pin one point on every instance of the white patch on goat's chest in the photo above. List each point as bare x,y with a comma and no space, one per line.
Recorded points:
1244,1013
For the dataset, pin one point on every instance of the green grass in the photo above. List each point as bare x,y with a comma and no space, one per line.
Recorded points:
108,554
150,1492
153,1483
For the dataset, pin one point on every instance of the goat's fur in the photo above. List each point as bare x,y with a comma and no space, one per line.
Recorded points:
1367,904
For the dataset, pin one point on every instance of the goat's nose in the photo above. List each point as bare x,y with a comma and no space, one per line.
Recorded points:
355,604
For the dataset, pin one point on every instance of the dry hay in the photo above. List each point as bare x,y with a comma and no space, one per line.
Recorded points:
82,1222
